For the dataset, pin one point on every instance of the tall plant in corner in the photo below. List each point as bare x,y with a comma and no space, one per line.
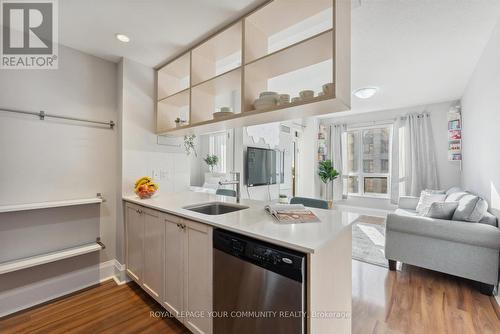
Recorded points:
327,174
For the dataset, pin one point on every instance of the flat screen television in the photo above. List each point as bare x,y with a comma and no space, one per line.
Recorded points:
261,166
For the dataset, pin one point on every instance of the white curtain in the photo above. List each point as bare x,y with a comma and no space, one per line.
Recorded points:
414,161
337,133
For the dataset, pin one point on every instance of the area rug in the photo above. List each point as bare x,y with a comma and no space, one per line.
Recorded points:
368,240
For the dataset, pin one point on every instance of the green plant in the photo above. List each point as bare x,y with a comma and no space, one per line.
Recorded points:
189,145
177,120
326,171
211,161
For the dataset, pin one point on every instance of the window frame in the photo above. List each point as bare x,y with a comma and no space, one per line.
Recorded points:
223,160
361,174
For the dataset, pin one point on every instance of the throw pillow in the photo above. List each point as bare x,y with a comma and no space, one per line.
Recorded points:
426,199
441,210
471,208
453,190
456,196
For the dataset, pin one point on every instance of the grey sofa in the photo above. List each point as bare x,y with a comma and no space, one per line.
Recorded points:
460,248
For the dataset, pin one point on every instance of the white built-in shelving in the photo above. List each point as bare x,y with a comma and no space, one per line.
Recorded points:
284,45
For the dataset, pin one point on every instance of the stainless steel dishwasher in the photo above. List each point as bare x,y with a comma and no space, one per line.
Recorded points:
258,287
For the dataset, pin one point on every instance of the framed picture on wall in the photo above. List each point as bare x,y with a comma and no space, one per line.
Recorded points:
454,125
454,134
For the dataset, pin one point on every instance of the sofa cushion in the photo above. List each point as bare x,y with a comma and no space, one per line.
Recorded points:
427,197
482,235
471,208
455,196
489,219
442,210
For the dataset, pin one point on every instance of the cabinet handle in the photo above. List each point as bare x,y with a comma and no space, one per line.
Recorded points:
183,226
139,211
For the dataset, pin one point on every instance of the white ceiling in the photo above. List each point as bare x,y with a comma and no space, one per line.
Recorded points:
415,51
159,29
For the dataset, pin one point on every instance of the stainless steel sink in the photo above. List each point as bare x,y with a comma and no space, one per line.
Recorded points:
215,208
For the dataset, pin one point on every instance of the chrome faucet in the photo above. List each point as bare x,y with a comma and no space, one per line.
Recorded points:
235,181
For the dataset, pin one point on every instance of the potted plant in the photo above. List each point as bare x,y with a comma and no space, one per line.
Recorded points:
189,145
211,161
327,174
177,122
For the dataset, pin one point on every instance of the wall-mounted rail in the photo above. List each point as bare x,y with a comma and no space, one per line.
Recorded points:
32,261
42,115
54,204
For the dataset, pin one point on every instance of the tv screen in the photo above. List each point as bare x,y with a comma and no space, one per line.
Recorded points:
261,166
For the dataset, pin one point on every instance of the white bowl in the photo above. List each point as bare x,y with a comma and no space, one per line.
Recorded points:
220,114
306,94
328,88
267,94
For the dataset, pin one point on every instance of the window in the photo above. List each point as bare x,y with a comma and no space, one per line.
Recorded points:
368,160
217,144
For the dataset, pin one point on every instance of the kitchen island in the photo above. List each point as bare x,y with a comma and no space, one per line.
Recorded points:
327,245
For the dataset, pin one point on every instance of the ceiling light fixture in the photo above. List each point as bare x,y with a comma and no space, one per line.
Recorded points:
122,38
365,92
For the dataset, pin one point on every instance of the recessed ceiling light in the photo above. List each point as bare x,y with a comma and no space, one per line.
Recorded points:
365,92
122,38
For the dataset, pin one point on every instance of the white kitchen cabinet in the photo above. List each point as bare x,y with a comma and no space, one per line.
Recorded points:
154,250
173,298
198,276
171,259
134,241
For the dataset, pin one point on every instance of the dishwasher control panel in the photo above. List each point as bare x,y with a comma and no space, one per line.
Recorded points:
275,258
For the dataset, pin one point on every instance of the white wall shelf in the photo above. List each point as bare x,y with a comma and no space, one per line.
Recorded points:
7,267
47,205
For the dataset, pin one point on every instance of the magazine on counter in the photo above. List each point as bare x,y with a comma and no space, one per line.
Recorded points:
291,213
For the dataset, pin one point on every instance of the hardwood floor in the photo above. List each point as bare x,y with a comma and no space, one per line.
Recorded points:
413,300
107,308
416,300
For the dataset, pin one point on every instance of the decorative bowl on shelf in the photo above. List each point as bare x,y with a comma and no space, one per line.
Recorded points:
267,94
264,103
328,88
224,111
145,187
306,94
283,99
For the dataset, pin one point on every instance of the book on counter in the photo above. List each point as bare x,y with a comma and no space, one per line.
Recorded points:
291,213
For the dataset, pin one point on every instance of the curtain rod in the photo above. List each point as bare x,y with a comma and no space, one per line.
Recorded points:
41,114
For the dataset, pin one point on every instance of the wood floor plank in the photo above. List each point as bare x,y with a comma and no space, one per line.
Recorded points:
410,301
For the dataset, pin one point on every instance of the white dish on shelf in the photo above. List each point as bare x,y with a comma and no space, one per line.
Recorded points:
328,88
306,94
261,95
264,104
220,114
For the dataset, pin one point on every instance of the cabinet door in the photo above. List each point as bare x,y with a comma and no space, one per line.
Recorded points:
173,299
154,233
198,264
134,234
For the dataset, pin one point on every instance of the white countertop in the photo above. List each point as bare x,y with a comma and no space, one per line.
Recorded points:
255,221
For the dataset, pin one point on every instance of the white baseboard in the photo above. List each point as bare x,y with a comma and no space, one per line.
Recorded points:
18,299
